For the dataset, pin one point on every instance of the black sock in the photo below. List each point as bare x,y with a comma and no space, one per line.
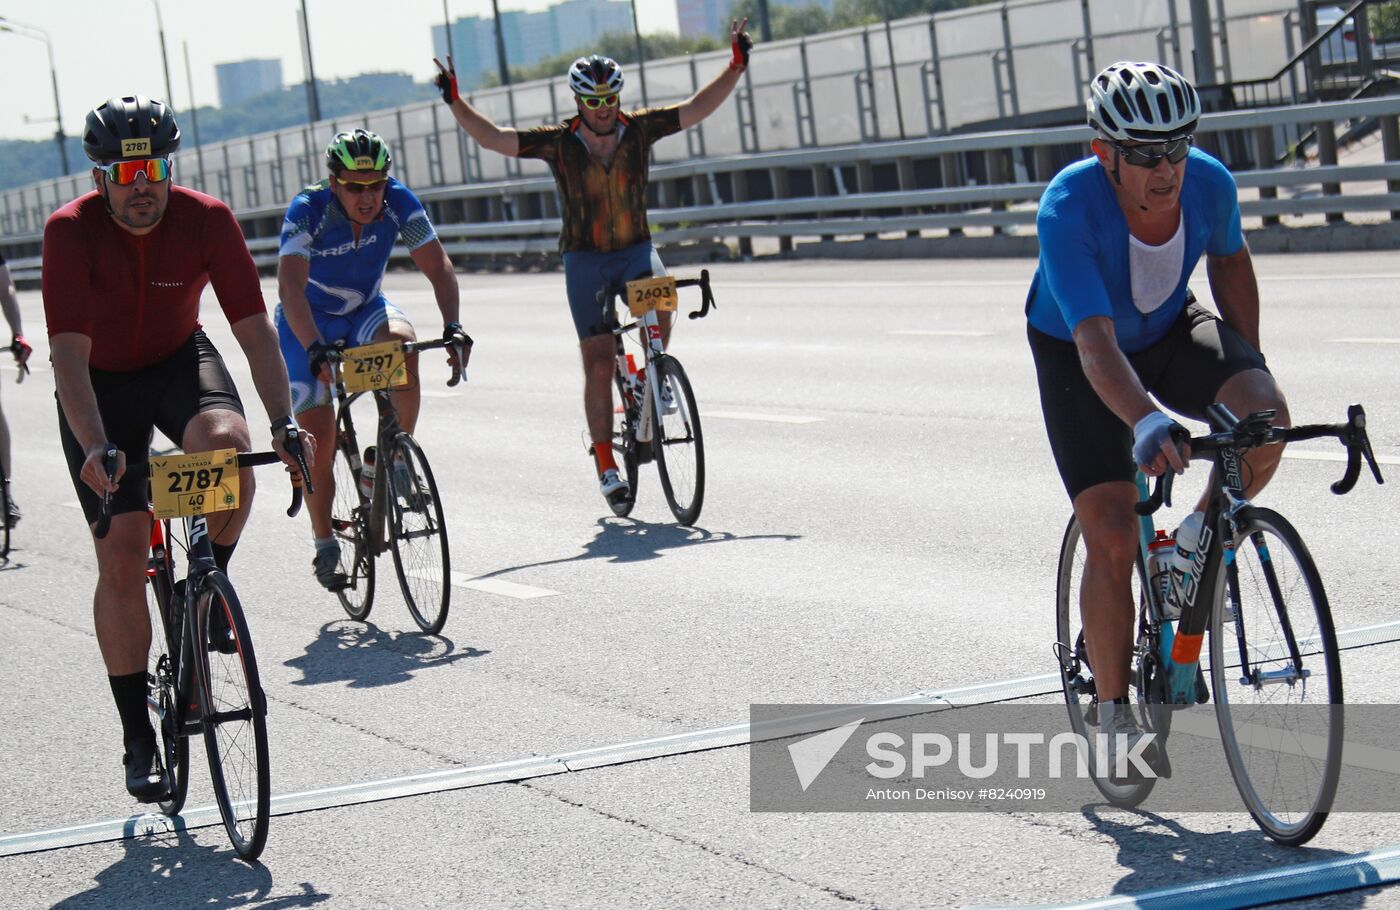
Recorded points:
223,552
129,692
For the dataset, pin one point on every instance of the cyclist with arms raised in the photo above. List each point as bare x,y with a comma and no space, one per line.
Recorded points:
336,241
1111,322
123,270
600,159
9,303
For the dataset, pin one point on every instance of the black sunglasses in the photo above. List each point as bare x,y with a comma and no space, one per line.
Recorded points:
1151,154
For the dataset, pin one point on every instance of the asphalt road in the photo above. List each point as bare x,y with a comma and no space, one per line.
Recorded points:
882,519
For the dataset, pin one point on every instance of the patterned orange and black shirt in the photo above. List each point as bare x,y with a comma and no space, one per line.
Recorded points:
605,208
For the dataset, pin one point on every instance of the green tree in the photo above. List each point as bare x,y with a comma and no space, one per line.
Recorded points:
1385,21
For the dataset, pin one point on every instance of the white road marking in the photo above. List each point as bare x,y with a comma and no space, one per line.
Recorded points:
765,418
438,393
950,333
1333,456
535,766
503,588
1364,340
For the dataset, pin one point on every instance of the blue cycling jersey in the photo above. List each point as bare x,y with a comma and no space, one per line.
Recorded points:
1084,255
345,275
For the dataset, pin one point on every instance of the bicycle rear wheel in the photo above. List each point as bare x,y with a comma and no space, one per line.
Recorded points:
1277,678
234,713
625,449
349,524
167,618
418,534
1076,676
678,442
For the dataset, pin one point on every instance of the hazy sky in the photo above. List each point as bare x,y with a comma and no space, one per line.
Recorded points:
111,47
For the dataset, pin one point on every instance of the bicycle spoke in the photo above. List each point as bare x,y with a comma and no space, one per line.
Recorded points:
678,441
418,535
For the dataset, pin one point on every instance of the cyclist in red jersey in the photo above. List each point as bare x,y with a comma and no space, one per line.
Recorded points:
9,304
600,161
123,270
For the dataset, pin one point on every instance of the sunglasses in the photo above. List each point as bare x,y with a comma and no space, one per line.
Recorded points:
363,186
1151,155
124,173
593,102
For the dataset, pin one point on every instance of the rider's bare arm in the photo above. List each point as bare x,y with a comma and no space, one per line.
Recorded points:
1236,292
257,336
292,274
73,382
9,302
432,260
706,101
500,139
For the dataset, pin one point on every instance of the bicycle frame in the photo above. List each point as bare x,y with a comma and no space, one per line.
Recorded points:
387,430
189,717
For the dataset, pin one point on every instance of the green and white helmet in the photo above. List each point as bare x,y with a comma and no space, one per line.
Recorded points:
358,151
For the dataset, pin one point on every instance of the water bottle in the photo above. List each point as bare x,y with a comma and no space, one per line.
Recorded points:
367,474
1161,551
1188,539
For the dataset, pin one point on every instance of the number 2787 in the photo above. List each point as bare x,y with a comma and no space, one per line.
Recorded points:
203,479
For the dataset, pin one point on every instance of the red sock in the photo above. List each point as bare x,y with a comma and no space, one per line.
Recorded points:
603,455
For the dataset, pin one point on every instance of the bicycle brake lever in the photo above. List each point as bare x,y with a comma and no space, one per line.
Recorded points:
104,519
1161,495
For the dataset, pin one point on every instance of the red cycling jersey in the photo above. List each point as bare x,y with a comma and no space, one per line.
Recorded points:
137,298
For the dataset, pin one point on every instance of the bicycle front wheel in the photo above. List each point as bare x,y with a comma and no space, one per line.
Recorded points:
1076,676
1277,678
350,525
234,713
419,535
677,441
161,683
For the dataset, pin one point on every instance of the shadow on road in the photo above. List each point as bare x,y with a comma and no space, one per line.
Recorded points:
171,870
1162,853
365,656
630,540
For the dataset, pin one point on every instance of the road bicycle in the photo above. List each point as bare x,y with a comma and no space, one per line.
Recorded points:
401,494
659,418
1273,658
202,674
5,528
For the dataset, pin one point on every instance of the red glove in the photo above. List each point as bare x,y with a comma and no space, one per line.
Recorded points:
446,80
741,44
21,349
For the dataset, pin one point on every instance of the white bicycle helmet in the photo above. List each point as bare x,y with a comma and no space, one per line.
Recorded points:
595,75
1142,101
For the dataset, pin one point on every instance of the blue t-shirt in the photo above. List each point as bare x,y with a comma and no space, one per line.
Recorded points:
346,275
1083,269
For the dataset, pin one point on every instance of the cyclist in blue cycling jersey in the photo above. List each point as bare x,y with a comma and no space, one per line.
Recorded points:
1112,324
336,241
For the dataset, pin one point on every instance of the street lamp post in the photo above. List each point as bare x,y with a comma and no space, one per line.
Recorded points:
38,34
164,58
641,54
313,97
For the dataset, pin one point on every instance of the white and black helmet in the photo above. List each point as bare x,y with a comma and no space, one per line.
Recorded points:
1144,101
595,75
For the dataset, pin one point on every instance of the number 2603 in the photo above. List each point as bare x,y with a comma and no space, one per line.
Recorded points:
203,479
645,294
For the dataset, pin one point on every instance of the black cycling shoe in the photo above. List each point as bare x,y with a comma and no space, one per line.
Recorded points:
144,779
13,516
327,568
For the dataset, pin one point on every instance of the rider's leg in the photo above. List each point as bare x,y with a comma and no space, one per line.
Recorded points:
597,353
1110,529
119,604
220,428
4,444
1244,393
407,398
320,423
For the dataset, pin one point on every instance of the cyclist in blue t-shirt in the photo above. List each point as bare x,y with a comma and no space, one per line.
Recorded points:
336,241
1111,322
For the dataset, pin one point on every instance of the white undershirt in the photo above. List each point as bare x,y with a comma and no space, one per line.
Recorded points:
1156,270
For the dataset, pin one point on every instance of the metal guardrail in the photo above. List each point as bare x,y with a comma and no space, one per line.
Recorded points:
831,208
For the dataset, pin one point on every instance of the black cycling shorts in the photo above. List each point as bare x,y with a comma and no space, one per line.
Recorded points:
165,396
1184,372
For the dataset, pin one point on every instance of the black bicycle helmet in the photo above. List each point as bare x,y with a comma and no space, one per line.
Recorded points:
130,127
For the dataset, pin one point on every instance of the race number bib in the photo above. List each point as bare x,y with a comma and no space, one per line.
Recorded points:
194,484
651,294
374,366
